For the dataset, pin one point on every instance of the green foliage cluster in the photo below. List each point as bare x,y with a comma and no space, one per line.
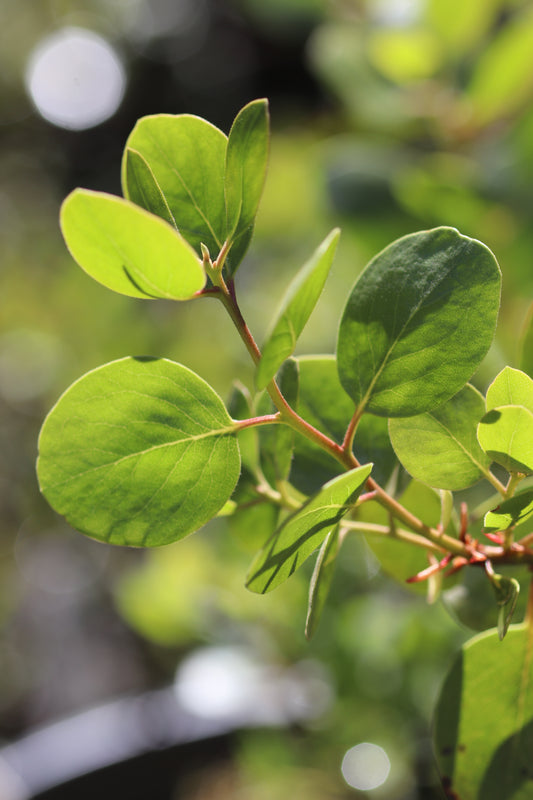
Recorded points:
142,451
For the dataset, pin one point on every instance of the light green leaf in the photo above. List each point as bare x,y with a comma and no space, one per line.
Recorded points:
418,322
506,435
186,155
511,512
321,580
440,447
502,81
246,165
128,249
324,405
305,530
138,452
510,388
525,344
142,187
483,730
296,307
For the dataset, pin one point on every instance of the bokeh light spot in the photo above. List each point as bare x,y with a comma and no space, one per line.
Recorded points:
75,79
365,766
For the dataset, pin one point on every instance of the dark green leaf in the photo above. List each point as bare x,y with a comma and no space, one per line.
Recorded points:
143,189
186,155
440,447
246,164
296,307
305,530
138,452
484,722
325,406
128,249
506,435
418,322
321,581
511,512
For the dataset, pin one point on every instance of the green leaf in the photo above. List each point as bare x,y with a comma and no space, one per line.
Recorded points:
255,518
501,81
305,530
506,591
324,405
128,249
483,730
296,307
440,447
246,165
510,388
321,581
506,435
142,187
525,345
186,155
511,512
138,452
418,322
240,406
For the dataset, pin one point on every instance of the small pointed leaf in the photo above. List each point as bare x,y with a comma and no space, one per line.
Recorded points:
321,581
506,435
418,322
305,530
506,591
138,452
440,447
128,249
246,164
296,307
511,512
143,188
186,155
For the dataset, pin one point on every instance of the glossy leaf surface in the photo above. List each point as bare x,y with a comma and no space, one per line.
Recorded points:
246,164
506,435
484,719
128,249
440,447
321,581
418,322
186,155
143,188
305,530
296,307
138,452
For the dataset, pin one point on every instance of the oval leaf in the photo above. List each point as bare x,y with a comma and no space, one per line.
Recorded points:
138,452
128,249
246,164
511,387
296,307
440,447
418,322
186,155
305,530
510,513
483,729
506,435
143,189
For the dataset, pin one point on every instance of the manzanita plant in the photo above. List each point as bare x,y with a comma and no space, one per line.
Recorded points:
142,451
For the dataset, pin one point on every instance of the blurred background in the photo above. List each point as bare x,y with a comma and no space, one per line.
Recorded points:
388,116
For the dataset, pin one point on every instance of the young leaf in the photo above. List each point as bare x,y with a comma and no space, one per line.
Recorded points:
321,581
138,452
186,155
143,189
418,322
440,447
506,435
483,732
296,307
302,532
246,164
128,249
511,512
324,405
510,387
